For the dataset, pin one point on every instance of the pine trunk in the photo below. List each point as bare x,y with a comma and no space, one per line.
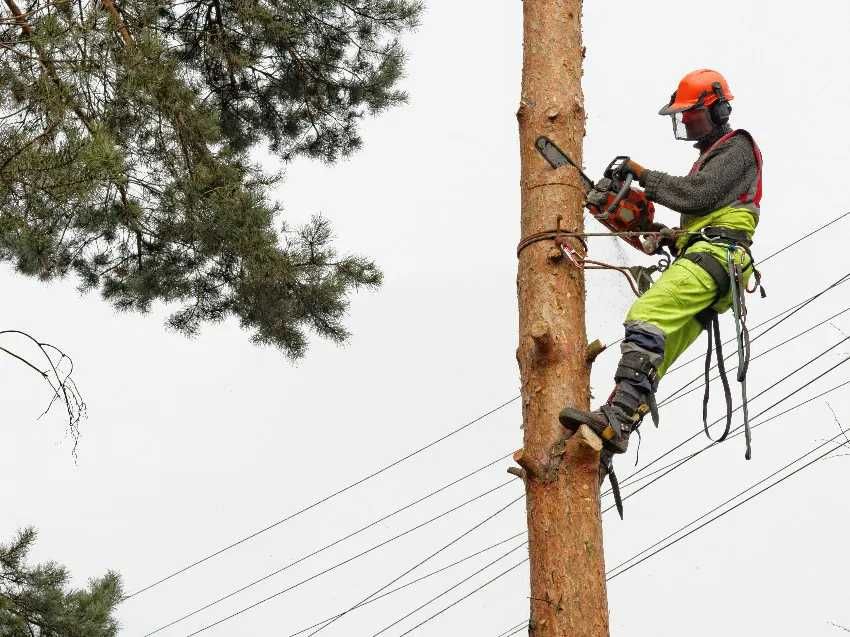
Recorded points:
568,594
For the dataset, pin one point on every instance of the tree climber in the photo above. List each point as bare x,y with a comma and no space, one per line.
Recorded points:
719,205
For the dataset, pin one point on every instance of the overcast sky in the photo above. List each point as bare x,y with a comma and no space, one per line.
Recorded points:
192,444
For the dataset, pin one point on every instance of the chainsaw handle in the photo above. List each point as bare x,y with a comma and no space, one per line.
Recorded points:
624,189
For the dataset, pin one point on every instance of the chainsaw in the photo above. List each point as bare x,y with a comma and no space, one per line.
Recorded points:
612,201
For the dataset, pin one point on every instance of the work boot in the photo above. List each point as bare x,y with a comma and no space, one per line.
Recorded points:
633,397
608,422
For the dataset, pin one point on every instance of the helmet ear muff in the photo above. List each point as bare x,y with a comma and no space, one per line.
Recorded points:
721,109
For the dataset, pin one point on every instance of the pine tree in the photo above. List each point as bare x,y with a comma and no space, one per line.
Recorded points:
125,134
35,600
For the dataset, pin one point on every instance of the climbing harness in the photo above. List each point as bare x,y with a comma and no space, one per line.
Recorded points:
728,280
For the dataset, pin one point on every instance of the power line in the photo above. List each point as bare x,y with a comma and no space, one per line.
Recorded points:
465,597
417,580
762,392
327,546
449,589
695,454
619,568
320,501
489,464
676,395
739,431
804,237
393,464
429,557
614,571
741,503
759,394
785,314
362,602
513,630
755,425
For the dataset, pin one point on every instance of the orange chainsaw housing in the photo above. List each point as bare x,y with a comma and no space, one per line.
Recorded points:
634,213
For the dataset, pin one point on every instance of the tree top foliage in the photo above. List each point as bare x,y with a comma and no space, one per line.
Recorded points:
36,600
125,133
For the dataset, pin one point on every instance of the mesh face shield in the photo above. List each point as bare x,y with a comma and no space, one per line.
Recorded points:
692,124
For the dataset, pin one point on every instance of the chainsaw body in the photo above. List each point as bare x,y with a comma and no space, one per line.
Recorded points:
619,207
612,201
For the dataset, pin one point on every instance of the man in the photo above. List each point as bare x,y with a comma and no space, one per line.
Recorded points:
719,205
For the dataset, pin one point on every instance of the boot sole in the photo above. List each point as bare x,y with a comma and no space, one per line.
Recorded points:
572,418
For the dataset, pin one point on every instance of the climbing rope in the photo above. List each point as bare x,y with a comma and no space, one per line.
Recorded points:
638,277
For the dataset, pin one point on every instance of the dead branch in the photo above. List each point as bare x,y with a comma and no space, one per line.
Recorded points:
57,374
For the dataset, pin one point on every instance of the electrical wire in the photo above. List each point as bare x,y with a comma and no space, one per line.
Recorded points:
739,504
739,432
320,501
449,589
762,392
679,394
465,597
737,429
615,570
362,602
301,559
417,580
803,238
454,541
513,630
790,313
621,568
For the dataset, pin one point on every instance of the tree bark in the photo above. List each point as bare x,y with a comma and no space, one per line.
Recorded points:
568,593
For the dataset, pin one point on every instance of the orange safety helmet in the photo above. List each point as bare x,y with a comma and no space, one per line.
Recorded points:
700,106
698,88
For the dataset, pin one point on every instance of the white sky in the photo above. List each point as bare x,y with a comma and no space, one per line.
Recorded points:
193,444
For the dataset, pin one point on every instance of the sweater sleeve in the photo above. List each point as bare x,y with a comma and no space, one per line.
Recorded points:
722,178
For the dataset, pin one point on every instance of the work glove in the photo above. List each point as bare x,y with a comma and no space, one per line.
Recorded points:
666,238
635,168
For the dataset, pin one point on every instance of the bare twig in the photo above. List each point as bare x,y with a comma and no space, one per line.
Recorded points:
58,376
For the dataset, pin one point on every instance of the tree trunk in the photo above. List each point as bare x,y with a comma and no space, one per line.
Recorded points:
568,596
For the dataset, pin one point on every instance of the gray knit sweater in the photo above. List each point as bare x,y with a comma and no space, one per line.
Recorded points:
728,172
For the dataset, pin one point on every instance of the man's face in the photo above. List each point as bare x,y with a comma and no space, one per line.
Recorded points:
697,122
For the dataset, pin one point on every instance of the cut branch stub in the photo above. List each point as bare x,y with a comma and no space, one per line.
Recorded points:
542,337
594,350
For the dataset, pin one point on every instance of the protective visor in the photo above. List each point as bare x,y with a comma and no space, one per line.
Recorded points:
692,124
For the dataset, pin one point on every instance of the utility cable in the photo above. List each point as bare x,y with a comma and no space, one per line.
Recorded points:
688,534
787,315
320,501
513,630
757,415
417,580
454,541
739,432
679,393
803,238
516,629
614,571
465,597
449,589
619,570
285,590
737,429
327,546
762,392
727,511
